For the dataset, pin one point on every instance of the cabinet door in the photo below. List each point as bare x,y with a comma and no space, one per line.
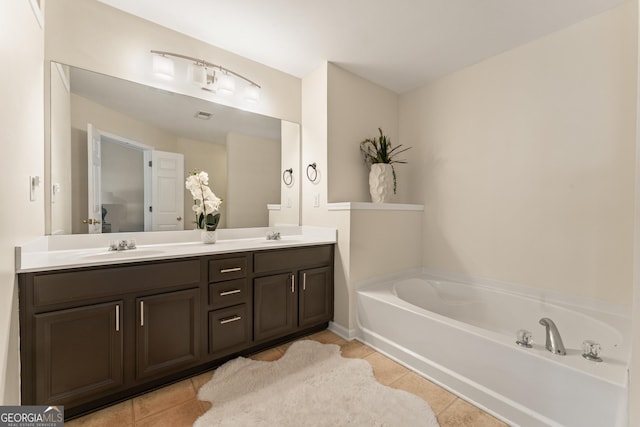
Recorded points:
316,296
275,306
167,332
78,353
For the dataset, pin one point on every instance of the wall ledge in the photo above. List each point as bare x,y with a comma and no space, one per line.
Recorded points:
368,206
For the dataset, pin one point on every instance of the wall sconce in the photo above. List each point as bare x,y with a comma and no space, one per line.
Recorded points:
206,75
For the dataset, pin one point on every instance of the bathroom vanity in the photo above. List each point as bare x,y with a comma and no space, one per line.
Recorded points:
95,333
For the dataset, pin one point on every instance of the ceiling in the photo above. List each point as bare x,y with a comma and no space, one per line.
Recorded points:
398,44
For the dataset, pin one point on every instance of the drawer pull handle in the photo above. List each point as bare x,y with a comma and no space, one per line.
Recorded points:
117,317
230,270
230,319
232,292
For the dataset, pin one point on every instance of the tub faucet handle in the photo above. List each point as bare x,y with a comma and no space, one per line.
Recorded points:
524,338
591,351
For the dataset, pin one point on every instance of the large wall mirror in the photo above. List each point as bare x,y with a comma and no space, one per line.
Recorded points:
120,152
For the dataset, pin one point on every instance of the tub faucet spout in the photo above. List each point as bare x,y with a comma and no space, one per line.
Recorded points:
554,341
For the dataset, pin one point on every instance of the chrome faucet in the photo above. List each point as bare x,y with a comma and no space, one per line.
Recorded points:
273,236
554,341
122,245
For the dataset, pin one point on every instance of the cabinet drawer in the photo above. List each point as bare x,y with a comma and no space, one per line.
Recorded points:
227,269
226,294
229,328
291,259
71,286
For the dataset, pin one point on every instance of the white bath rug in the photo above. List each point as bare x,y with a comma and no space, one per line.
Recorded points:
311,385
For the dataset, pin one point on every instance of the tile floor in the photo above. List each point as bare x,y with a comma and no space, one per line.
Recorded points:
177,405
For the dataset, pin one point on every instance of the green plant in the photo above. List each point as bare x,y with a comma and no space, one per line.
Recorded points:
380,150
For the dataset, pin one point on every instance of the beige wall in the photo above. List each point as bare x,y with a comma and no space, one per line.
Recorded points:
526,162
211,158
314,144
356,109
96,37
84,111
22,124
60,151
634,365
253,179
289,212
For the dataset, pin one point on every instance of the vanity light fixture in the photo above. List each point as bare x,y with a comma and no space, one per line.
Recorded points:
209,76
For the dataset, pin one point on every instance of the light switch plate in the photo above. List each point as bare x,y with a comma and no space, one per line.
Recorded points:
34,183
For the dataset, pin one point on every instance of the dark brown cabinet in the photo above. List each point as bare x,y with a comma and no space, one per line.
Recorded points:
315,296
229,320
167,332
276,306
294,300
65,340
96,335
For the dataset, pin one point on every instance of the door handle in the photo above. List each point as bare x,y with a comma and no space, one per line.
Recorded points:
141,313
179,218
293,284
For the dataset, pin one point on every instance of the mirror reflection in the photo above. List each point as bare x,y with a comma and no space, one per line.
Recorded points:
120,152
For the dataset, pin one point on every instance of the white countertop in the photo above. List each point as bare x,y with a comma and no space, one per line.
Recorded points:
73,251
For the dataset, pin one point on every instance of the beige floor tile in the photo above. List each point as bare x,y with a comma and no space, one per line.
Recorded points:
437,397
205,406
161,399
355,349
284,347
177,405
463,414
200,380
386,370
268,355
183,414
120,414
326,337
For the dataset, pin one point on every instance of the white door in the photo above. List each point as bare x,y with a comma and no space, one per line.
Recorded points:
165,209
94,205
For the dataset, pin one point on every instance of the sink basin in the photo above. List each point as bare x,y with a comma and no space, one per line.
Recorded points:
131,253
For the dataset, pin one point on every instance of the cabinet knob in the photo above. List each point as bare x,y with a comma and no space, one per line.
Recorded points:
179,218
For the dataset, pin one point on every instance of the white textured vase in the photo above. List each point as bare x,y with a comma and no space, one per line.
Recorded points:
209,236
381,182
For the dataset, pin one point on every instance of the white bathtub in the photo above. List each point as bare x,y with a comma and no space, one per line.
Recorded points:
462,336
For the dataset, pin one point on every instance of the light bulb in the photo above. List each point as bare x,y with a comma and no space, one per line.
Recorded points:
226,84
252,93
163,67
197,74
